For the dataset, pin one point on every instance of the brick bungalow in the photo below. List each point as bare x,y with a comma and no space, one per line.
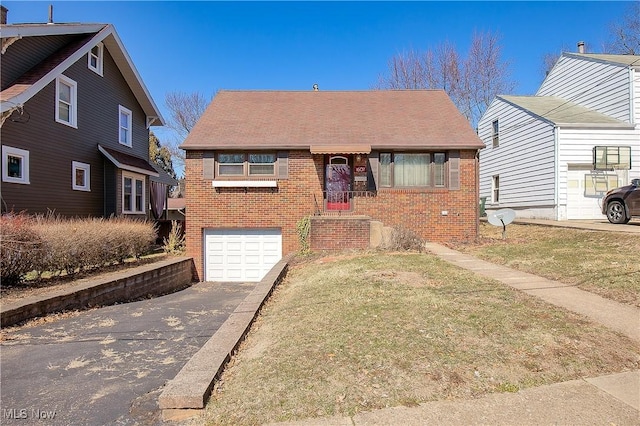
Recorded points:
259,161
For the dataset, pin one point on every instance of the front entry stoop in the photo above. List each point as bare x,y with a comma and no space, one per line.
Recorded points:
380,235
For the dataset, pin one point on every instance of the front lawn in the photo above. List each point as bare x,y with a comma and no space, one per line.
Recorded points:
605,263
356,333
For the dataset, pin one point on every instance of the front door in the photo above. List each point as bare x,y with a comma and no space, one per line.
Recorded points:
338,183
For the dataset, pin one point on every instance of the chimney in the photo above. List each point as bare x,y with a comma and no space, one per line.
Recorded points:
50,14
581,47
3,15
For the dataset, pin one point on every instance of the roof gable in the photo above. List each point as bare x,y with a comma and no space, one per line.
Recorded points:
408,119
34,80
561,112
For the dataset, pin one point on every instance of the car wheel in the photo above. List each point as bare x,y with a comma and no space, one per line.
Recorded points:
616,213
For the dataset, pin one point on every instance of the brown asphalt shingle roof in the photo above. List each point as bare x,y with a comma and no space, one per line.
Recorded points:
408,119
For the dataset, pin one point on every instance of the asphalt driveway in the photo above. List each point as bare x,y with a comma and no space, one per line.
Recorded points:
108,365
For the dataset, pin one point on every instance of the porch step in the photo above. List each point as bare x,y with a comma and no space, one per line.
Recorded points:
380,235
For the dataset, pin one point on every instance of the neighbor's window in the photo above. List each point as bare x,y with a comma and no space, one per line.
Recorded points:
66,101
81,176
611,157
246,164
125,126
133,194
496,141
95,58
495,189
408,170
15,165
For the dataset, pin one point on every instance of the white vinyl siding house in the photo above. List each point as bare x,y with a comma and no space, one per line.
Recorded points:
545,159
525,166
602,86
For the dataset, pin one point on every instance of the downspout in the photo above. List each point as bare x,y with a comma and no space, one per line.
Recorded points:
556,168
477,166
632,112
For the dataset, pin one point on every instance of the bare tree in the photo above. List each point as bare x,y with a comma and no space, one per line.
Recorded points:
185,110
406,70
470,82
625,33
484,74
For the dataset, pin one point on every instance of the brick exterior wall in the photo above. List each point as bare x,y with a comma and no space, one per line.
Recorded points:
340,232
281,207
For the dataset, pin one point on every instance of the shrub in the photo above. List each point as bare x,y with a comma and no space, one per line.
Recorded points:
303,228
174,244
21,248
54,244
405,239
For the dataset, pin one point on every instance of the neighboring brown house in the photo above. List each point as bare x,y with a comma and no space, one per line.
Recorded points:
75,123
259,161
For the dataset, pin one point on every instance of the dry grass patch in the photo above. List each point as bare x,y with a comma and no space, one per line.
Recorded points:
604,263
382,330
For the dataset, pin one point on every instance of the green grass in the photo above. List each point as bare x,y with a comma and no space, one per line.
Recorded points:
358,333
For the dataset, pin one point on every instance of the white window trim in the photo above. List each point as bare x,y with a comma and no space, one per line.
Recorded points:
75,165
495,188
73,115
495,133
123,110
133,178
99,59
15,152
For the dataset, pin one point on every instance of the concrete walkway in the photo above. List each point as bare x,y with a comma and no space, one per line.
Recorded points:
619,317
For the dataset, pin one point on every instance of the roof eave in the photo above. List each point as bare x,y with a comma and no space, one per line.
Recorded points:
120,56
615,126
195,147
31,30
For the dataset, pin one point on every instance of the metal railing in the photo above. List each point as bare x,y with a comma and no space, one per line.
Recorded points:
341,201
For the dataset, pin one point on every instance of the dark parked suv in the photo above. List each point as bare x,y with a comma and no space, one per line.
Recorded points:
621,203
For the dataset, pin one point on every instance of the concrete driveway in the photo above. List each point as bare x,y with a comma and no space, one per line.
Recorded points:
108,365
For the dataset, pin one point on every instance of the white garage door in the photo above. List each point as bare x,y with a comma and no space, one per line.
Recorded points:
585,191
241,254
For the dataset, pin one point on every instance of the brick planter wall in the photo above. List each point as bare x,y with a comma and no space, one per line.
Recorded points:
154,279
339,232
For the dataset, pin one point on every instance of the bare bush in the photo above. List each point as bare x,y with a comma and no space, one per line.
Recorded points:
175,243
405,239
54,244
20,248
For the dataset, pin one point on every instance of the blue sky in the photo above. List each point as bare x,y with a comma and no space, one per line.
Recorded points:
204,46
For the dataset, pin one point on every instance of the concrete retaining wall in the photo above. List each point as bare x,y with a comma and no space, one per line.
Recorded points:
153,279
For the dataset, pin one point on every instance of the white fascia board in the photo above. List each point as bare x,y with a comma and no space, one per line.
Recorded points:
616,126
142,89
104,31
31,30
54,73
244,184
